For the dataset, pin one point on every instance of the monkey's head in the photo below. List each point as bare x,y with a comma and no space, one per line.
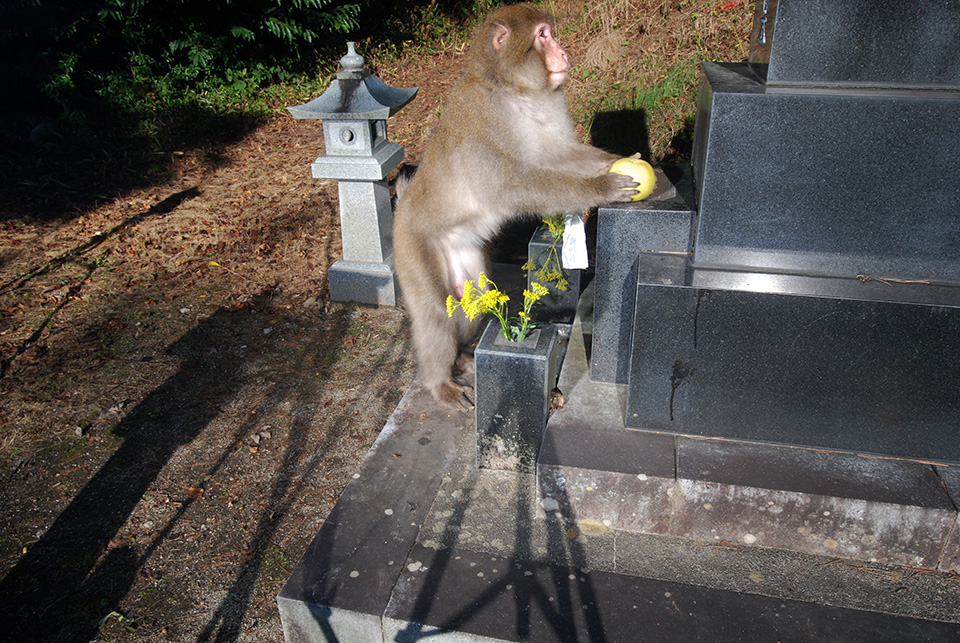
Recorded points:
517,48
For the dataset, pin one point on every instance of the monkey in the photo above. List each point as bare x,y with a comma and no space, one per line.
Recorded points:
505,147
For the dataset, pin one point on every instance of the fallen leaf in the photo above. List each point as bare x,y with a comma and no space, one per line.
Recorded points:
195,493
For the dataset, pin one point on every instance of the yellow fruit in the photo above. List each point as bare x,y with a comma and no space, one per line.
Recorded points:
641,172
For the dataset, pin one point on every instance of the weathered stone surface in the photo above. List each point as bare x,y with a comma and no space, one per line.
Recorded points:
342,584
950,560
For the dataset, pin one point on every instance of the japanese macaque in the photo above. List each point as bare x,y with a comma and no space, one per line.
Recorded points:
505,147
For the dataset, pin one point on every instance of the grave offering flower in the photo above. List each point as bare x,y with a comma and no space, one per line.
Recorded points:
550,271
484,297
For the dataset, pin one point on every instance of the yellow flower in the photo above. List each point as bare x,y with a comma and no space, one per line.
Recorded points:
451,305
539,289
528,266
483,281
555,224
467,298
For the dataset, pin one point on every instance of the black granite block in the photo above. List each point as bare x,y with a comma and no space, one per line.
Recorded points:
858,42
513,384
863,376
560,305
622,231
609,449
813,181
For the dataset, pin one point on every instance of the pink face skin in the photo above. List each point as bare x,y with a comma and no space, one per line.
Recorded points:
555,58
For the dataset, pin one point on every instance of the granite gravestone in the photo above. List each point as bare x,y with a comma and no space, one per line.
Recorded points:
808,289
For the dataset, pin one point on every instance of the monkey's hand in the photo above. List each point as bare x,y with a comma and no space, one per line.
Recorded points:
617,188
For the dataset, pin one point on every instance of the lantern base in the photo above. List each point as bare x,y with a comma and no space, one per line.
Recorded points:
364,282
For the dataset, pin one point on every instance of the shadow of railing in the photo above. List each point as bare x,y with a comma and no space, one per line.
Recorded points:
558,599
80,569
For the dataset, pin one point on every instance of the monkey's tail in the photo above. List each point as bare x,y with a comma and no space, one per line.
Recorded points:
404,176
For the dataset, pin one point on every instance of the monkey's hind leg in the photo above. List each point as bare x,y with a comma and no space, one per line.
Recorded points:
465,367
436,342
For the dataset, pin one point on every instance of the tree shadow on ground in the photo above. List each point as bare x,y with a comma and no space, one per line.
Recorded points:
80,569
548,595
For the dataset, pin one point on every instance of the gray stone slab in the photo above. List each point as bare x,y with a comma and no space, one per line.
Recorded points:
603,500
805,500
843,527
859,42
817,182
780,574
623,230
469,596
809,471
341,585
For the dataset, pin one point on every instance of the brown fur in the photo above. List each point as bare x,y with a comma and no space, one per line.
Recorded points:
505,146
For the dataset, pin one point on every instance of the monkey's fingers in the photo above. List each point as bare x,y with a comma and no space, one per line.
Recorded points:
625,187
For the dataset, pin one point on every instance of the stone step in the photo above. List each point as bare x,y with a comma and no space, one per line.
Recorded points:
724,491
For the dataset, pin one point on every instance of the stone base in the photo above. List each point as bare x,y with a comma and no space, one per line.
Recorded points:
662,222
423,544
364,282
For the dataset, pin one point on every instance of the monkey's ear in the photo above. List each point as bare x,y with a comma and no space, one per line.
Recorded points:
500,34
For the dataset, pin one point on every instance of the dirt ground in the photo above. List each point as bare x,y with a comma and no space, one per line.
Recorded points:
180,404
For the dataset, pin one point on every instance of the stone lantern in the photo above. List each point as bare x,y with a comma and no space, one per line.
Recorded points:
354,110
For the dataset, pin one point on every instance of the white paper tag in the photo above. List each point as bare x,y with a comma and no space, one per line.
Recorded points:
574,252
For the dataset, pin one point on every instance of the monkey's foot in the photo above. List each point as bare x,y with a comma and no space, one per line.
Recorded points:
465,365
454,396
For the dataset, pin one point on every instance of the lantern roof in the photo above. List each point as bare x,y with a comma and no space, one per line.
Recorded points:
355,94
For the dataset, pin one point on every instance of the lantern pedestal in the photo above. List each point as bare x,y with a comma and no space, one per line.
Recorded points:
365,272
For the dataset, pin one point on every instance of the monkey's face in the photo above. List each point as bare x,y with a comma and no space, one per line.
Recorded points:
554,57
521,50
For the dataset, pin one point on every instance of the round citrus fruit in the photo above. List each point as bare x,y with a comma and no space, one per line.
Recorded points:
641,172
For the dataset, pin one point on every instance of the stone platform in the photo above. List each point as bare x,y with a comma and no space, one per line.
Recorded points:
626,535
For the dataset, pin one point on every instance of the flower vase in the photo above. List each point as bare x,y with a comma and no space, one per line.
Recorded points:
513,384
